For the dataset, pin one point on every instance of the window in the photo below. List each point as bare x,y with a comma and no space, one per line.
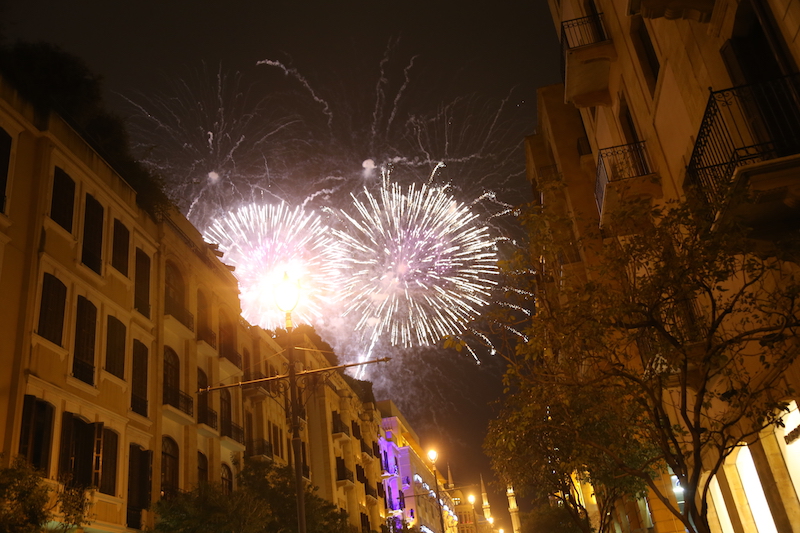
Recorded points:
175,291
119,248
92,255
202,468
88,455
108,475
62,203
139,481
85,329
225,419
169,466
645,52
115,347
139,378
204,332
141,290
172,374
37,431
5,163
227,479
203,415
51,313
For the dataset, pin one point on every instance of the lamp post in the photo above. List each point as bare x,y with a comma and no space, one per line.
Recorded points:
287,295
432,455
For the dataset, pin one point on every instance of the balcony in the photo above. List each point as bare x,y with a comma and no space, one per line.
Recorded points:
179,400
258,448
366,448
229,353
749,146
256,391
178,311
344,475
207,416
205,334
232,430
371,491
624,174
586,56
339,428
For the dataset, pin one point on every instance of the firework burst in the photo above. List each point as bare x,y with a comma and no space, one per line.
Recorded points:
417,265
264,242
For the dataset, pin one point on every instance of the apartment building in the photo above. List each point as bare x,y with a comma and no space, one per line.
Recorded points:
415,492
679,101
113,319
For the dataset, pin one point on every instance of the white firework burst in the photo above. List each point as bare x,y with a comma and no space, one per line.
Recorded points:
266,241
417,265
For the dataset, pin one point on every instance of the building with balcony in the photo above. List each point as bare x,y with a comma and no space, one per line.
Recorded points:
409,482
113,319
666,101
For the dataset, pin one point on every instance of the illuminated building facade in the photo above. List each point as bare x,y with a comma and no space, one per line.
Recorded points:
634,118
409,482
112,319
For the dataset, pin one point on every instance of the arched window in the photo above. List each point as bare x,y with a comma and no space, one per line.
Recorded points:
175,289
225,418
204,414
227,340
169,466
204,331
172,377
202,468
227,479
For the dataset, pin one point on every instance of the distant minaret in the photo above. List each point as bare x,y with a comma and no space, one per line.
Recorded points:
449,477
513,509
487,512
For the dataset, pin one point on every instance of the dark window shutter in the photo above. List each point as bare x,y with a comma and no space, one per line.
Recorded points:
51,313
92,255
139,378
66,452
141,290
108,478
85,330
115,347
62,203
37,430
120,246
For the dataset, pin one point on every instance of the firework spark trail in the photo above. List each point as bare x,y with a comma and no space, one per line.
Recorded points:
265,241
293,72
417,266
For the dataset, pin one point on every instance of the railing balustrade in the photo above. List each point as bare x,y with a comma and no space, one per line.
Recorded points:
581,32
179,400
744,125
619,163
176,309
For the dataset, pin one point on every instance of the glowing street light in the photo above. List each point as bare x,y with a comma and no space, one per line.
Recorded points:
287,295
432,456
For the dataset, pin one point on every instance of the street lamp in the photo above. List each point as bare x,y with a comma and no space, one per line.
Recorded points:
432,455
287,294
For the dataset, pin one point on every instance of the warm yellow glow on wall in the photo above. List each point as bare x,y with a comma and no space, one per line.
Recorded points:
754,492
725,524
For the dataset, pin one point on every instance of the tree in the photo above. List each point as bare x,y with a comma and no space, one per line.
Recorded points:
23,499
549,518
55,81
263,502
680,330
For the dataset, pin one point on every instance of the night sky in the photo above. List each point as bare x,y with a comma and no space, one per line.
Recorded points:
495,50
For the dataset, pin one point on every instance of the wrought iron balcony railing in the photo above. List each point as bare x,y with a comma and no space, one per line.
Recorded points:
581,32
744,125
258,447
339,426
179,400
619,163
229,352
366,448
343,473
178,310
204,333
207,416
232,430
369,490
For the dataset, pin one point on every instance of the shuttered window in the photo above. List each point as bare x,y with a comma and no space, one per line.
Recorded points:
92,255
62,204
51,312
115,347
85,334
120,247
